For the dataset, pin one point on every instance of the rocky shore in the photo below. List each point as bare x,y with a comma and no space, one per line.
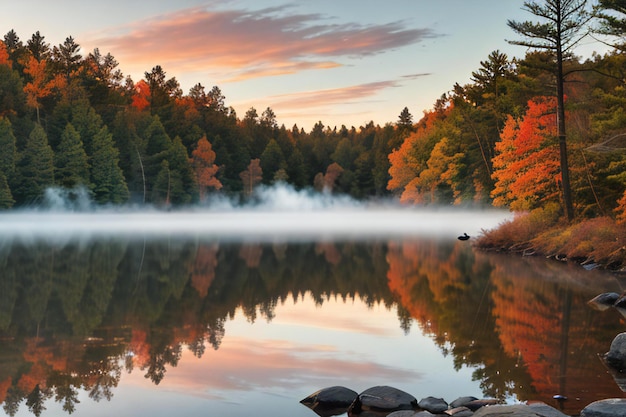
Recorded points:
386,401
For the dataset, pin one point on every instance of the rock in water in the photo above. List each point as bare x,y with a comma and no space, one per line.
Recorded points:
461,401
613,407
383,398
603,301
433,405
330,401
616,356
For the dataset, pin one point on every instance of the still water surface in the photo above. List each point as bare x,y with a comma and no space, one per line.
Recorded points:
132,315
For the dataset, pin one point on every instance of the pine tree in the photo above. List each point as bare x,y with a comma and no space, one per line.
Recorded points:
35,168
109,185
71,163
8,155
558,32
6,198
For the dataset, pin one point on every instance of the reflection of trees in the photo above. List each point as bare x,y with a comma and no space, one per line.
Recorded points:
547,324
445,289
83,311
509,317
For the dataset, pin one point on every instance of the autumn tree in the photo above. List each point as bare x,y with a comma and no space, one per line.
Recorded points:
559,30
327,182
40,85
251,176
205,169
439,182
526,167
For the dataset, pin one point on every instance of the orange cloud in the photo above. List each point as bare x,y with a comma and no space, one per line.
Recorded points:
248,44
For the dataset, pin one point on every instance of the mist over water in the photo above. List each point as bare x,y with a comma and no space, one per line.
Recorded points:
274,213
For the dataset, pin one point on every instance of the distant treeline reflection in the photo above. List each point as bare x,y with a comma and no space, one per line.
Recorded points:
73,316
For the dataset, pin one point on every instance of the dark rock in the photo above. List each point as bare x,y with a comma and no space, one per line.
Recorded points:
432,404
616,356
603,301
620,302
461,401
545,410
476,404
330,401
405,413
459,412
613,407
518,410
383,398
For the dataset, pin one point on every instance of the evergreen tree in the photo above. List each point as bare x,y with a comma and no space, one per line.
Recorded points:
8,155
6,198
109,185
272,160
71,163
184,188
35,167
559,30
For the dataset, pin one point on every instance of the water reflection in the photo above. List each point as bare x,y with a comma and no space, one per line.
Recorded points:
76,316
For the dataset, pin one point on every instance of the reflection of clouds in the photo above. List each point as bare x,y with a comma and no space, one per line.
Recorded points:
257,43
245,364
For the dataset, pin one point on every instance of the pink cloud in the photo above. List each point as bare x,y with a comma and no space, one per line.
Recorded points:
251,44
245,364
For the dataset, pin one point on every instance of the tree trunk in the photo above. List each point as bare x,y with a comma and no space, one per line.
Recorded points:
560,109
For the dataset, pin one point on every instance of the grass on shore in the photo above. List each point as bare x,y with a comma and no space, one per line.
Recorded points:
600,240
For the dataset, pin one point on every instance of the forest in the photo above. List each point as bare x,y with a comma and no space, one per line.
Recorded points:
71,119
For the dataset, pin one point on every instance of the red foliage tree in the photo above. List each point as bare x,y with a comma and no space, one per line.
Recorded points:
526,167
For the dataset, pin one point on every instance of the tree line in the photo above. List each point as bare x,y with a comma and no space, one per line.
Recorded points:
69,120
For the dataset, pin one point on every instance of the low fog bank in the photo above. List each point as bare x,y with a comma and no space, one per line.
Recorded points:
274,213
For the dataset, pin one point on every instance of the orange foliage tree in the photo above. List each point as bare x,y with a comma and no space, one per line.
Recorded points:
41,84
411,158
326,182
621,209
526,166
142,93
251,176
4,54
203,163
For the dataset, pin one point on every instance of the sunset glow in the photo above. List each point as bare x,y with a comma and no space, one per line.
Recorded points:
348,63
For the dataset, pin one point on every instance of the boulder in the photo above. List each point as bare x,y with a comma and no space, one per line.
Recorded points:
383,398
461,401
433,405
517,410
616,356
612,407
476,404
545,410
330,401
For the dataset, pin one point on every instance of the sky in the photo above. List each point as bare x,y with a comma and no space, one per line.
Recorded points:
339,62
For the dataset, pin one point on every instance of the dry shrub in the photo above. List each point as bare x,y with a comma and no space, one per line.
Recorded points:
517,234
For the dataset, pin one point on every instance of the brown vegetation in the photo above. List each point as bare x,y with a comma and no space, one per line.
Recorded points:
600,241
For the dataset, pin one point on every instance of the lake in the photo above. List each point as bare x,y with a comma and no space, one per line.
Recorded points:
246,312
